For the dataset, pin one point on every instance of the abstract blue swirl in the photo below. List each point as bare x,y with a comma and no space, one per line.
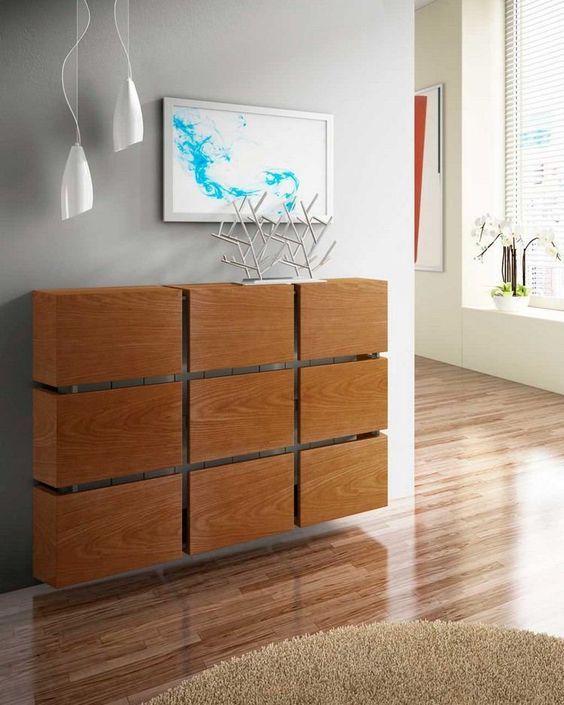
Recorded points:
200,146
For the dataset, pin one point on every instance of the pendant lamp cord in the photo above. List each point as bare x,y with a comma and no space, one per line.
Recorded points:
75,48
125,48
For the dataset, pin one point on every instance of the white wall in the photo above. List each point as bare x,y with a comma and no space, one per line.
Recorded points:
527,349
483,139
461,42
355,61
438,295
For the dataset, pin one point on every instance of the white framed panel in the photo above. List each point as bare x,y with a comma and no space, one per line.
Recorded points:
430,251
215,153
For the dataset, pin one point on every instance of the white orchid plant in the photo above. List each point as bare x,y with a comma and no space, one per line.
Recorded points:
515,241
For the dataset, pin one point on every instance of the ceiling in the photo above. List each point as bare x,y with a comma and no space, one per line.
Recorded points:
422,3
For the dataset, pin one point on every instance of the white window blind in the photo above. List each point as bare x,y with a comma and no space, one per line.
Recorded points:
534,134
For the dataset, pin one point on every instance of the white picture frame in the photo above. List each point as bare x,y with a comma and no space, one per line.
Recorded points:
431,224
201,179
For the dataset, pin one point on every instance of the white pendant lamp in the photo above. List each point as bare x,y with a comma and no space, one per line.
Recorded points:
77,194
128,117
76,188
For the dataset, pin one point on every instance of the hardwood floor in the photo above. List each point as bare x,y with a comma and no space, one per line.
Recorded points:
481,542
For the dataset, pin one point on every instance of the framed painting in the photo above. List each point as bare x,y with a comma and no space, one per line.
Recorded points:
429,179
217,153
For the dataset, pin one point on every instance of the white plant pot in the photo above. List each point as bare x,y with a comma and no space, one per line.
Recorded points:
511,304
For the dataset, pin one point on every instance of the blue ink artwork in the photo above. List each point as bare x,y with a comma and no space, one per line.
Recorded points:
211,158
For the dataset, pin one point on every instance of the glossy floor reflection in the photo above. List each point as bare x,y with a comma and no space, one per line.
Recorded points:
481,543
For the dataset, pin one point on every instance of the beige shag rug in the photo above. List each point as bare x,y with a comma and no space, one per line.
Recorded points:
419,663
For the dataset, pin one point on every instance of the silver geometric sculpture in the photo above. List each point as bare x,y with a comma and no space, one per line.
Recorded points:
262,242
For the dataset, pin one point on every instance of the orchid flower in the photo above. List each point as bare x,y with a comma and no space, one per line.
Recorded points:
516,239
486,226
547,239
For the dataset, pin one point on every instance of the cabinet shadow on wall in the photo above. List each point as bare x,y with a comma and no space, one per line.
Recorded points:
15,442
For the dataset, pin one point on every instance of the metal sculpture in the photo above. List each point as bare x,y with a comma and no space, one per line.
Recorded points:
262,242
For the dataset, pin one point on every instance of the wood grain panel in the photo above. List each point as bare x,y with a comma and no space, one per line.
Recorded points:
240,414
239,326
87,535
342,317
45,535
240,502
97,335
342,400
339,480
44,337
80,438
45,439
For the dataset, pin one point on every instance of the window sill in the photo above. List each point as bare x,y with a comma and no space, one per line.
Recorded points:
545,314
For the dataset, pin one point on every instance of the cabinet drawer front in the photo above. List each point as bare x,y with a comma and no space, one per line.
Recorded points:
343,400
240,326
342,317
336,481
240,502
87,535
80,438
241,414
100,335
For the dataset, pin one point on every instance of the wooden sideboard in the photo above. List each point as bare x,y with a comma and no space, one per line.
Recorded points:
193,417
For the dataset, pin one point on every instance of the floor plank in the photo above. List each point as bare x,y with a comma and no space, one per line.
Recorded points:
481,542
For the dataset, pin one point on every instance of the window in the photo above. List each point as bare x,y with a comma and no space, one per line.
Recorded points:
534,133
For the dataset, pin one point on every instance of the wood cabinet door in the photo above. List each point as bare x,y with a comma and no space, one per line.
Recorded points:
240,502
79,438
338,480
240,414
342,317
83,336
239,326
82,536
343,400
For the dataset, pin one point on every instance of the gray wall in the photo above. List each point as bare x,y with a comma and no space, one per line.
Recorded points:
352,58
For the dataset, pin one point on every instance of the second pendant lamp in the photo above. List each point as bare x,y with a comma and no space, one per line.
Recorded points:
128,117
